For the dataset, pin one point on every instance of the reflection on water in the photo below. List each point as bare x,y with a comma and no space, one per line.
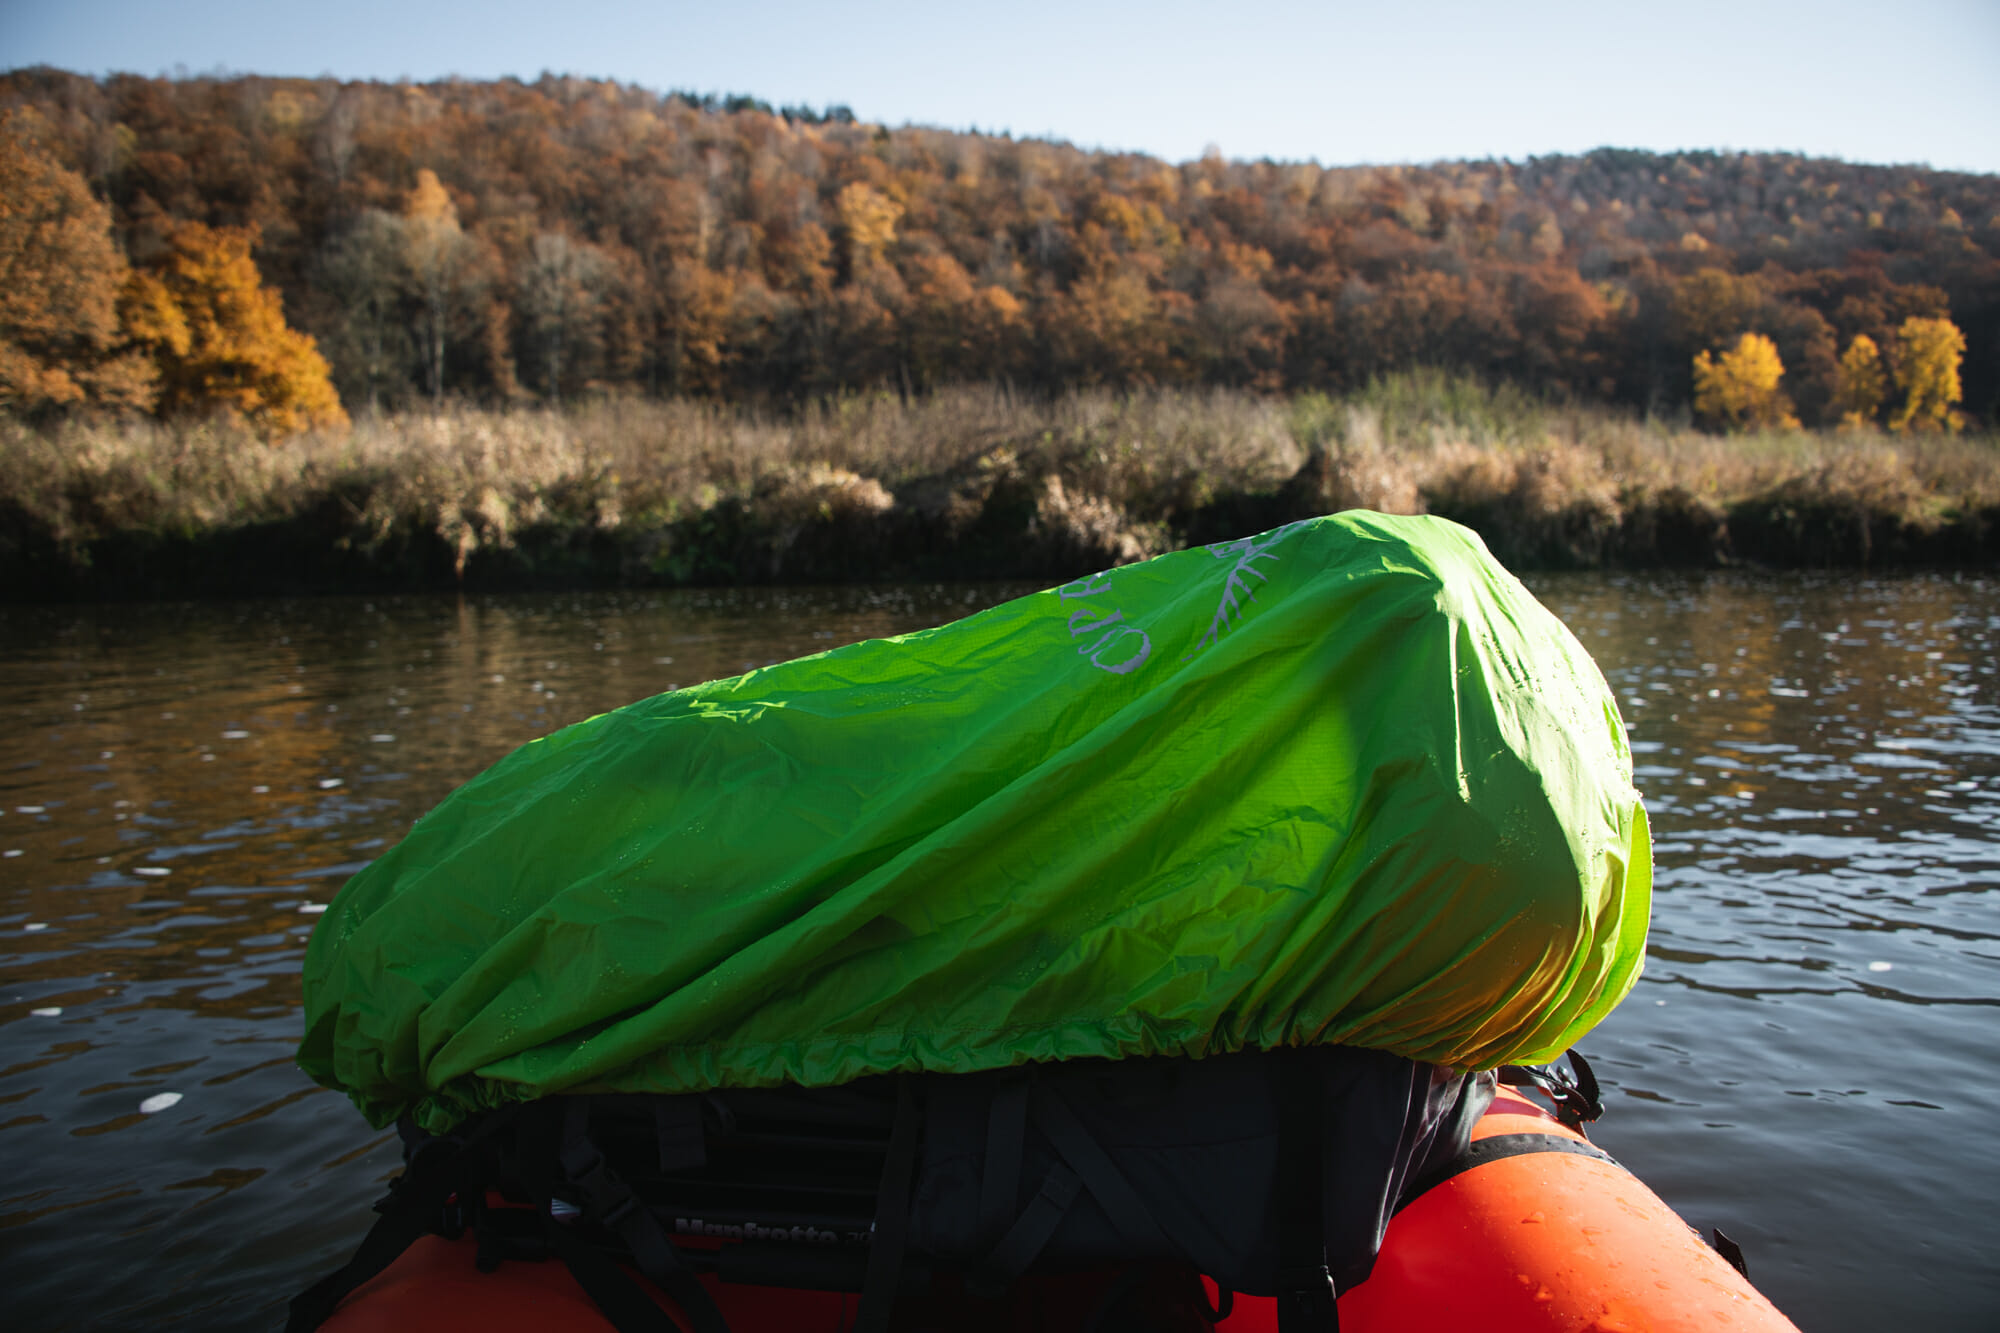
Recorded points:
1812,1056
184,788
1807,1062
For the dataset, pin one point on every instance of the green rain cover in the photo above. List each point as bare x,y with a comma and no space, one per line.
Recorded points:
1345,781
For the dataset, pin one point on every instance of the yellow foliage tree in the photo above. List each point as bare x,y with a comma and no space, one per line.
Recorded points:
1862,384
1740,388
220,337
1928,353
870,218
60,274
437,252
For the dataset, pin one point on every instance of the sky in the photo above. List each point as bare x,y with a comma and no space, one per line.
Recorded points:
1339,83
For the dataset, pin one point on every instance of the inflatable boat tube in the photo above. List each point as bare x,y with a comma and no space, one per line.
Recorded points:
1537,1229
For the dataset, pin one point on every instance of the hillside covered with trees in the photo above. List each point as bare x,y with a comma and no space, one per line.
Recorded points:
506,242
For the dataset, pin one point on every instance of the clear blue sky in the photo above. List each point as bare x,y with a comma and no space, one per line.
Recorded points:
1336,82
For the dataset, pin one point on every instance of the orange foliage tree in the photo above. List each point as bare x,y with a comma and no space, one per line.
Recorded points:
60,275
220,337
769,255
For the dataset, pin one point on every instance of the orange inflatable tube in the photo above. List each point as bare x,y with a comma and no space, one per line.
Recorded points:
1539,1232
1536,1237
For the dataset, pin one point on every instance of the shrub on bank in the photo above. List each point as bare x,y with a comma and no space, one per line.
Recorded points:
970,482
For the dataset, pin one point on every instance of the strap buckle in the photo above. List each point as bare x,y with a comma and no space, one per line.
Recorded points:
1307,1300
606,1197
1574,1090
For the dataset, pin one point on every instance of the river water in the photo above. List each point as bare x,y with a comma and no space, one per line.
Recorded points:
1808,1062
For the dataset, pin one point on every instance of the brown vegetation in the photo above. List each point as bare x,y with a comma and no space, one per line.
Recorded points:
968,482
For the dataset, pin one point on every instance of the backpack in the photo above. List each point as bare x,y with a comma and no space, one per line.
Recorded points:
1272,1172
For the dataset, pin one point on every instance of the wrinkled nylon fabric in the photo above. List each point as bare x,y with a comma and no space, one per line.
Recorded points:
1345,781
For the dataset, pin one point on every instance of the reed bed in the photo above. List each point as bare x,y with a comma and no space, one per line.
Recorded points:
968,482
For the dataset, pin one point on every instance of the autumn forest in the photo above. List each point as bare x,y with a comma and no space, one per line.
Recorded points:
277,256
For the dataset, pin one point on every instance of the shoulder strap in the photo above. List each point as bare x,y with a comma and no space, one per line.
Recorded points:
1082,1165
1100,1175
892,1216
623,1302
1306,1298
608,1201
414,1207
1000,1173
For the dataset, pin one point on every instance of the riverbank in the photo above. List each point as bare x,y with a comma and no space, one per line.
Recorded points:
966,483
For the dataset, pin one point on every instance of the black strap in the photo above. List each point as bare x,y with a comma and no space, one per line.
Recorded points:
892,1216
608,1201
438,1169
1307,1302
1101,1176
678,1134
617,1297
506,1234
1010,1256
1573,1090
1499,1146
1000,1178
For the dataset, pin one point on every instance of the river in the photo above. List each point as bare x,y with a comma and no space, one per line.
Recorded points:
1807,1063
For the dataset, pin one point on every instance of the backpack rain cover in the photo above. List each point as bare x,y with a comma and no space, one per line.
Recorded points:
1345,781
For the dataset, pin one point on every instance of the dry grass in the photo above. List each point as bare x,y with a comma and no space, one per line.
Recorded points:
1088,476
